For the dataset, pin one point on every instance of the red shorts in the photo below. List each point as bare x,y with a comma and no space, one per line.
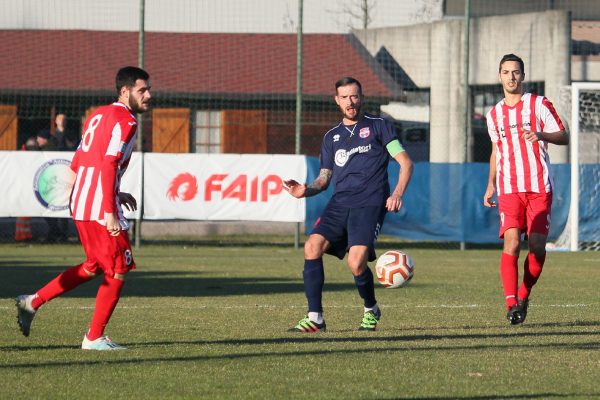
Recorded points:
530,212
112,254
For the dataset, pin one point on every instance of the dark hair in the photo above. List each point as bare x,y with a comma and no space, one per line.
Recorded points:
44,133
348,81
512,57
128,75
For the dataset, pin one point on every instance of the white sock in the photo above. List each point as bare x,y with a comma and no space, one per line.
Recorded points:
316,317
375,308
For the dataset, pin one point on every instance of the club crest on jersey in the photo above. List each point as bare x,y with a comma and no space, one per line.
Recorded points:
336,138
364,133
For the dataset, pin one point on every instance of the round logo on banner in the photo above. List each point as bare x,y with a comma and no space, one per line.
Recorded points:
52,184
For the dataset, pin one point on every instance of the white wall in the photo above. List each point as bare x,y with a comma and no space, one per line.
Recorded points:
432,56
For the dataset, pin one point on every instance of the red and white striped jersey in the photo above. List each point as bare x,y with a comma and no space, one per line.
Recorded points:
522,166
100,161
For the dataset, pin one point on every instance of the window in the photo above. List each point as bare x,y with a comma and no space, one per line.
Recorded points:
207,132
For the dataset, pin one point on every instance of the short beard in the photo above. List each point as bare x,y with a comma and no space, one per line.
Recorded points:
355,118
136,108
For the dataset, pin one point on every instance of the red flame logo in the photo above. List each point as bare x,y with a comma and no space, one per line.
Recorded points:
183,187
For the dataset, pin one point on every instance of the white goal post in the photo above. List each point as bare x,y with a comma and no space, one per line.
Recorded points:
575,157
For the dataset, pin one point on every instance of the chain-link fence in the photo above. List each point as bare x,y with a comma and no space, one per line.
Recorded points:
225,78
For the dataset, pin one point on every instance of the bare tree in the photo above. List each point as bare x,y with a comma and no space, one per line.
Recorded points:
289,23
356,14
429,10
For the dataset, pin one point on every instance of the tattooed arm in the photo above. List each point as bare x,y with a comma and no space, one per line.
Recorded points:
317,186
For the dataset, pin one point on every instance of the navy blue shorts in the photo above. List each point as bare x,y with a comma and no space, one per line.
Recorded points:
344,227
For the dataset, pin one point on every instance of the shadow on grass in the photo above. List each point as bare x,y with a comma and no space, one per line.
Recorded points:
19,276
362,337
27,277
322,338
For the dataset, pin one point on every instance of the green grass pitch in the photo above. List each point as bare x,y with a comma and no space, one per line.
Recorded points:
210,321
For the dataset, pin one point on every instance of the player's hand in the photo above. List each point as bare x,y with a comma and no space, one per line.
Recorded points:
394,203
487,197
294,188
532,136
128,201
113,226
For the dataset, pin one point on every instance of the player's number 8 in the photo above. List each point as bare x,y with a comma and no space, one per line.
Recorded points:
88,136
128,257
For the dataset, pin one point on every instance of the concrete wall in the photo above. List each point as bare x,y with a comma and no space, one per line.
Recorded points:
585,68
432,56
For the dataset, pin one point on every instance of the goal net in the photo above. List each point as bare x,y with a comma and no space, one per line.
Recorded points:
581,231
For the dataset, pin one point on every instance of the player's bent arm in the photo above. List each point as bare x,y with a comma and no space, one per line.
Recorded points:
319,184
394,202
302,190
109,176
406,171
559,138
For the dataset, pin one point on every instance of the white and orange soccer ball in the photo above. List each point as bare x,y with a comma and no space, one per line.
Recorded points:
394,269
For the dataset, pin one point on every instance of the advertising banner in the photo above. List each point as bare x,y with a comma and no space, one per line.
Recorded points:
222,187
38,183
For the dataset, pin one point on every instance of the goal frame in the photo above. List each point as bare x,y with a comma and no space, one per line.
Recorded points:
576,88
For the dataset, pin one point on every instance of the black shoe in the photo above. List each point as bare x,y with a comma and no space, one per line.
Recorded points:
514,315
523,304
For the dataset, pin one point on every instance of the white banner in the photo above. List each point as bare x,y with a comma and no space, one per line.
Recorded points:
222,187
38,183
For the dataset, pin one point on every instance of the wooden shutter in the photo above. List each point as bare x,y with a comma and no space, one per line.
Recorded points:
171,130
8,127
244,131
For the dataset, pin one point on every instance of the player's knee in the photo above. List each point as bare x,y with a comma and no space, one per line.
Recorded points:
89,273
512,245
120,277
357,264
537,248
312,250
357,269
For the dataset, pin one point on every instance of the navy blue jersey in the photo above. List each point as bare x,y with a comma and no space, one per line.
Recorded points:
359,159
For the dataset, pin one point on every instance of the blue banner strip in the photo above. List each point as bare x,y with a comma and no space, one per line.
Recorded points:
444,202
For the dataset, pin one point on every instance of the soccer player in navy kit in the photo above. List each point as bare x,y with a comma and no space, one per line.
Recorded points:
355,155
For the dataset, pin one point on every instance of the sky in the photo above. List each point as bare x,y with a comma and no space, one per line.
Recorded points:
251,16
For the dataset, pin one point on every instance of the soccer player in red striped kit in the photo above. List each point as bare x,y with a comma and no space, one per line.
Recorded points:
96,206
520,126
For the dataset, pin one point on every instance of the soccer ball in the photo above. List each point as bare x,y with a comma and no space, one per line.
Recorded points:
394,269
